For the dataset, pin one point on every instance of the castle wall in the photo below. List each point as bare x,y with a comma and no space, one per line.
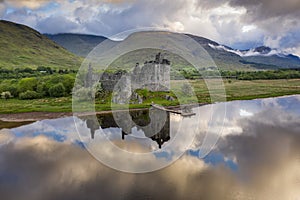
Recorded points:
153,75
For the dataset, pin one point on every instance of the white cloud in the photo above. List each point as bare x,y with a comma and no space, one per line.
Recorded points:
248,28
228,22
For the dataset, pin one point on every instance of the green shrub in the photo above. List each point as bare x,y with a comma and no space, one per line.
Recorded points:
42,89
29,95
26,84
6,95
57,90
10,86
143,92
68,82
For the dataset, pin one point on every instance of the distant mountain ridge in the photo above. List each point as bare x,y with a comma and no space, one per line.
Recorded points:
22,46
225,57
79,44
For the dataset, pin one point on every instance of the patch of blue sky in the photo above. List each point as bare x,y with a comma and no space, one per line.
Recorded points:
290,104
163,154
19,134
214,159
10,10
52,135
79,144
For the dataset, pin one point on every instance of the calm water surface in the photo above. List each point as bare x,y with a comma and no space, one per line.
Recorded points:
254,153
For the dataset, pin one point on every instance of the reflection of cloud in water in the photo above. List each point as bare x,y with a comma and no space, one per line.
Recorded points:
5,137
245,113
266,151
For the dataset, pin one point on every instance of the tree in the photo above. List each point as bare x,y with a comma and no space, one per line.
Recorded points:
6,95
57,90
27,84
42,89
68,82
10,86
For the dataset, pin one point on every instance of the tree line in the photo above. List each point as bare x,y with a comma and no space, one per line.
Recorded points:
28,72
243,75
56,85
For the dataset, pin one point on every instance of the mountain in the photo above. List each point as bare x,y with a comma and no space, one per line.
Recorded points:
263,50
22,47
261,57
225,57
78,44
266,55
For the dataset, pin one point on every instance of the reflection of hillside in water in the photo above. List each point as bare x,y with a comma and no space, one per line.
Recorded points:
154,123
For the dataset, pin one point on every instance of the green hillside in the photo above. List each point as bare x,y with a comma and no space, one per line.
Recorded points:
23,47
289,61
78,44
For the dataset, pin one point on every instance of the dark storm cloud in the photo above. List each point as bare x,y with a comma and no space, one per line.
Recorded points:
263,9
275,18
258,9
219,20
56,24
119,18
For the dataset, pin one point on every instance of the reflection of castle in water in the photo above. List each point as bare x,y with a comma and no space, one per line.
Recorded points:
153,126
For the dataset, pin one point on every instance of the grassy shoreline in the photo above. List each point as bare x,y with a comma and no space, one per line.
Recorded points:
235,90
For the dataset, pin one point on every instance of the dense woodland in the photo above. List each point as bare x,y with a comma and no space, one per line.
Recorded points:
39,83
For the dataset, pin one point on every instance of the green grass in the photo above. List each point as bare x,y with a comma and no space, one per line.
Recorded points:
235,90
23,47
63,104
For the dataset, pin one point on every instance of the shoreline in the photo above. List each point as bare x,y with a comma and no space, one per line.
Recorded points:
37,116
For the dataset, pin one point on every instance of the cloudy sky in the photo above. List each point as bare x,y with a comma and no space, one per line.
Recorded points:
237,23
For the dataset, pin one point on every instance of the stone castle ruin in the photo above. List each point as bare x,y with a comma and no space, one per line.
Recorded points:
153,75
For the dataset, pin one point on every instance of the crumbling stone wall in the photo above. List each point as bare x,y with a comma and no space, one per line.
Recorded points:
152,75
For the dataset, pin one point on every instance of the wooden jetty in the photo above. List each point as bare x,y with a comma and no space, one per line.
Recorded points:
179,112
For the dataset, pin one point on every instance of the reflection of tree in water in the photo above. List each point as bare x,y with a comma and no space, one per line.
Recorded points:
142,122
